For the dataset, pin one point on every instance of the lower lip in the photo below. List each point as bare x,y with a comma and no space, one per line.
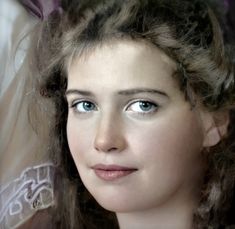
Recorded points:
111,175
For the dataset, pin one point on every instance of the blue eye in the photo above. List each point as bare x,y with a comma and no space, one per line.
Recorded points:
142,107
84,106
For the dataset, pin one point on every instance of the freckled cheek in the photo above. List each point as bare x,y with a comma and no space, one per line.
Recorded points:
152,146
167,144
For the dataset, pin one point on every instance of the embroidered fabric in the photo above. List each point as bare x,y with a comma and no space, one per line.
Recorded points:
21,198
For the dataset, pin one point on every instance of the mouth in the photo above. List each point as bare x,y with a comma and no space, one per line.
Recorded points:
112,172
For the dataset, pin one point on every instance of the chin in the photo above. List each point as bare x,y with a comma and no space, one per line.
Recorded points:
113,204
116,207
120,205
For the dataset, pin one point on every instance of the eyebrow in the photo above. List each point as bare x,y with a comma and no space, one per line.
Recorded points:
141,90
79,92
127,92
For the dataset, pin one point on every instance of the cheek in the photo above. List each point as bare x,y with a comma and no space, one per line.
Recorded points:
171,143
77,138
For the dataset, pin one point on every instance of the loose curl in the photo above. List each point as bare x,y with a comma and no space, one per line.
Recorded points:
189,33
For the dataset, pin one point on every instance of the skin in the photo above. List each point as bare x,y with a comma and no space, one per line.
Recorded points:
161,138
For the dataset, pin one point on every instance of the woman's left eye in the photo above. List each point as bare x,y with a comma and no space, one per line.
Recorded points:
142,107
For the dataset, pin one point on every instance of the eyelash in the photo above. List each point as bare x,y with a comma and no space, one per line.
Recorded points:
153,107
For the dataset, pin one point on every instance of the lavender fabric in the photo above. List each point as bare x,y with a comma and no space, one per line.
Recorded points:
41,8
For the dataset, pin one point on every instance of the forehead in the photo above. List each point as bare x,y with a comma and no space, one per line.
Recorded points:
122,64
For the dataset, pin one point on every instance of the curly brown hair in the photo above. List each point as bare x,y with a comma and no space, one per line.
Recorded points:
189,33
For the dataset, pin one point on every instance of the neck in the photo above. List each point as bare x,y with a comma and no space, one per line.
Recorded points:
176,215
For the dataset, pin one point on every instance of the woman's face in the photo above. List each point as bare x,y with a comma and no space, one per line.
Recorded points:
135,140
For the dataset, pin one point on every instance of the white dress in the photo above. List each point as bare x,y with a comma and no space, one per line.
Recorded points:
26,173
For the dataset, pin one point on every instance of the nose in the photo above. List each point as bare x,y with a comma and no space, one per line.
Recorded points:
109,136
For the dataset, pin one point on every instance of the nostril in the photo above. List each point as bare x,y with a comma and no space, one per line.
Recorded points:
106,150
112,149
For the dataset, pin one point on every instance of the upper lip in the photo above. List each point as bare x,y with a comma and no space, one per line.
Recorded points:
112,167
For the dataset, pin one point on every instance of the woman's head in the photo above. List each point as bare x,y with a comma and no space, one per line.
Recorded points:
149,87
134,138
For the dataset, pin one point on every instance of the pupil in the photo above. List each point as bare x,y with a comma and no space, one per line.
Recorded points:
145,105
87,106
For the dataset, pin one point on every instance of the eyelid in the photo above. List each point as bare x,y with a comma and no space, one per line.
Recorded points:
76,101
131,101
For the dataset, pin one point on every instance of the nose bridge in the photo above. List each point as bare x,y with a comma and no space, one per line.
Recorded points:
106,122
109,133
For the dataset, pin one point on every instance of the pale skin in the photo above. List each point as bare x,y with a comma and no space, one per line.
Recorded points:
126,109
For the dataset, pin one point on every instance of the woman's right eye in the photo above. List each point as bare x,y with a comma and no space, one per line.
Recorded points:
84,106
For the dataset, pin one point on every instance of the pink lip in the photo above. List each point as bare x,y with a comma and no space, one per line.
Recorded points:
111,172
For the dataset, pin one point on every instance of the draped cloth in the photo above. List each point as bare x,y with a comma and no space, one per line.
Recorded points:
26,173
41,8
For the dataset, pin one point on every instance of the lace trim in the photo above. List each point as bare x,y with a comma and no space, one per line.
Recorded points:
21,198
